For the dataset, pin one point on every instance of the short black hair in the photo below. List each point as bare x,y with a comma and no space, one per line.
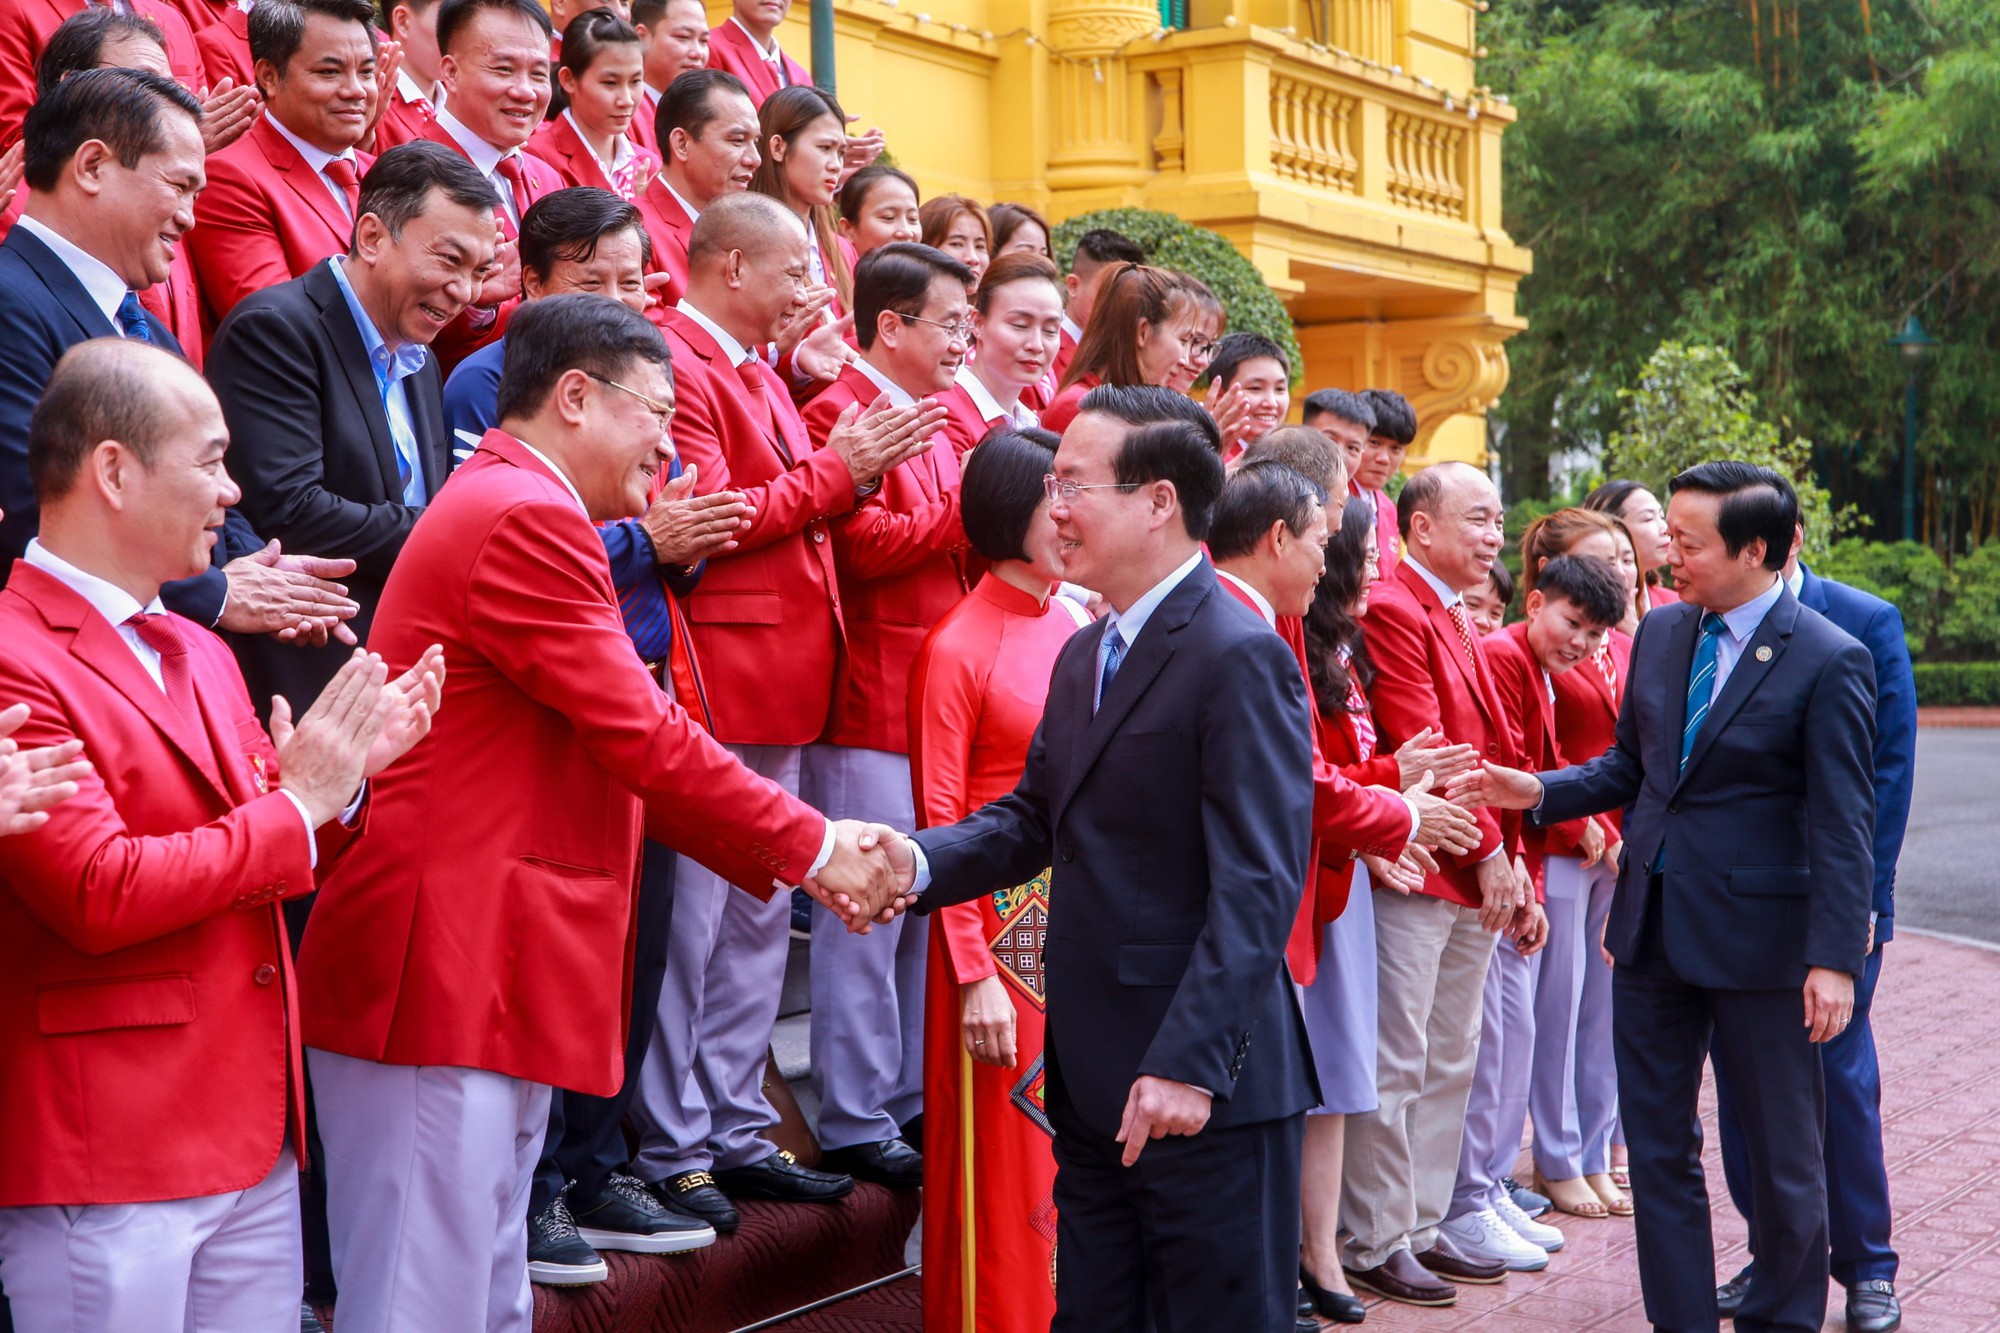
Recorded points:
1257,496
124,108
1502,581
78,42
456,14
399,185
1394,417
568,224
650,12
1586,582
1756,502
99,390
1001,488
854,194
689,102
548,338
1341,405
1145,404
1101,245
278,27
1236,348
1610,497
897,277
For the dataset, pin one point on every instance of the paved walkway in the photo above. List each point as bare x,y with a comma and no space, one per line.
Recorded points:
1948,879
1941,1102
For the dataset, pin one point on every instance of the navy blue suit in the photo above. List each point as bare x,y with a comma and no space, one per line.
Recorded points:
1857,1181
1176,821
45,311
1743,868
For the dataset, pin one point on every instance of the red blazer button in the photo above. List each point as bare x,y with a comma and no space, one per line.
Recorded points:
265,974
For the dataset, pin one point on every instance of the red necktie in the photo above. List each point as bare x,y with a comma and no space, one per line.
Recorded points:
516,173
341,172
1457,613
163,636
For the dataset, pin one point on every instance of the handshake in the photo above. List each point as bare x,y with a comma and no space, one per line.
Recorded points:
869,876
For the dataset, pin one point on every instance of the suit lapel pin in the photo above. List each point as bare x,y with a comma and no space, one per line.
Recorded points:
1764,653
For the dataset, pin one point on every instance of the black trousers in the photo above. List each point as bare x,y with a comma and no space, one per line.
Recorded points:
1662,1029
1201,1235
314,1238
586,1138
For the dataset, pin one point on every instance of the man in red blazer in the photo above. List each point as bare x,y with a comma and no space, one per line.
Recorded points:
495,67
767,625
746,44
477,947
24,30
902,558
674,36
709,127
1097,253
1348,419
414,101
283,197
1434,945
143,960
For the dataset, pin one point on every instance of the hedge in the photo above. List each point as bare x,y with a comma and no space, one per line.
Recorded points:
1171,243
1958,684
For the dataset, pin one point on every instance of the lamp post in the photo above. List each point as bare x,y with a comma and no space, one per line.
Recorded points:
821,12
1913,342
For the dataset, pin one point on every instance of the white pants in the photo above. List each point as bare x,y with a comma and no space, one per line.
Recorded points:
226,1262
427,1175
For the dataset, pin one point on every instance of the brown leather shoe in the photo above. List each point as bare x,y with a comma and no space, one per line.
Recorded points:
1402,1278
1447,1260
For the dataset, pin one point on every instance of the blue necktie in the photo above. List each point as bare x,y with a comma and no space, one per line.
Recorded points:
1701,682
132,318
1114,653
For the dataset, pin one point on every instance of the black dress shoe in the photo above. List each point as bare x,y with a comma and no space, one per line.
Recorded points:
780,1177
1306,1324
1448,1261
1729,1296
1338,1306
891,1162
693,1194
1401,1278
1872,1307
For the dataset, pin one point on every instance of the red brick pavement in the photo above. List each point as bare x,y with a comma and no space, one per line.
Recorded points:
1941,1113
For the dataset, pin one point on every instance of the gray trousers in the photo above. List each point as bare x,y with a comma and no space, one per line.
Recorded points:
427,1175
219,1262
1574,1096
867,990
1402,1157
701,1103
1497,1110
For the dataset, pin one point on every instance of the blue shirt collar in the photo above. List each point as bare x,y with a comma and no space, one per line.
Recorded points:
1129,623
390,367
1744,620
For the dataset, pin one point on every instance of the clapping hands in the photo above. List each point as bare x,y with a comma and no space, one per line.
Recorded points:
33,780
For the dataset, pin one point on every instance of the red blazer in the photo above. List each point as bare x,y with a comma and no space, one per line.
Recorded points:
224,44
147,1016
645,121
767,617
668,227
201,13
730,48
1058,414
265,218
965,425
902,561
487,920
1065,353
1422,679
1520,681
1587,715
25,26
558,145
402,121
1340,745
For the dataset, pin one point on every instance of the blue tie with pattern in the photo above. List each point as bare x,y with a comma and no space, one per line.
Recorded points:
1114,653
1701,682
132,318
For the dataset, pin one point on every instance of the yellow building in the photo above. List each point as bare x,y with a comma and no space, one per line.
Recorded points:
1341,144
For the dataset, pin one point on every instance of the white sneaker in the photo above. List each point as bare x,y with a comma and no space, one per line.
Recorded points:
1486,1239
1527,1228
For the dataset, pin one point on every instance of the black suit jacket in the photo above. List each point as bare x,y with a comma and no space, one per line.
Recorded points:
1177,822
309,444
45,311
1767,834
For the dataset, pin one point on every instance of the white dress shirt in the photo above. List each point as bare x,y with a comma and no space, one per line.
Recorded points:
620,155
735,351
988,406
118,606
105,288
1073,329
694,214
317,160
486,157
898,396
772,55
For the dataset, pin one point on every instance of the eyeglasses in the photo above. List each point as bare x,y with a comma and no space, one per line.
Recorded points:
959,332
662,412
1061,488
1198,347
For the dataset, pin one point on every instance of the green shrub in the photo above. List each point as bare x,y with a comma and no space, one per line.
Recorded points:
1958,684
1970,626
1908,574
1171,243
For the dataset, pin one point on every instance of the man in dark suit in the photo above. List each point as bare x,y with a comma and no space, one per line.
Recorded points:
1857,1181
1742,759
1170,785
332,395
89,240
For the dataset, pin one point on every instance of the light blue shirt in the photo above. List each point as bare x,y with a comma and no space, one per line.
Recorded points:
1738,626
1131,622
391,369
